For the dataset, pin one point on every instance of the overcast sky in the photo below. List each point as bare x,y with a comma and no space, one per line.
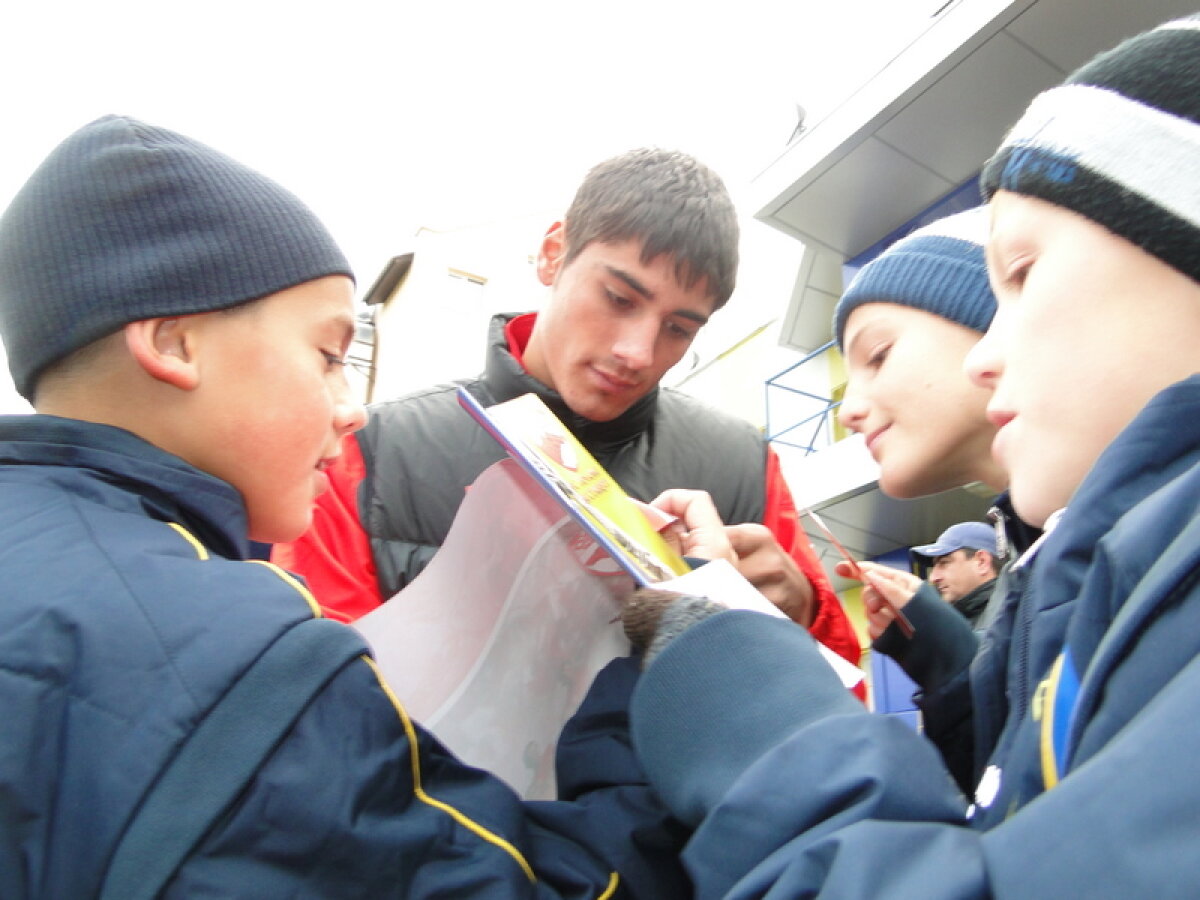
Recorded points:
388,116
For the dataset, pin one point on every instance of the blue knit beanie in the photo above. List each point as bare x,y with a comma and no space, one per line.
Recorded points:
938,268
1119,143
124,221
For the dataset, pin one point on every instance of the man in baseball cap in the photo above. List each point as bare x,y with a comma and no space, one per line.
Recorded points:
963,566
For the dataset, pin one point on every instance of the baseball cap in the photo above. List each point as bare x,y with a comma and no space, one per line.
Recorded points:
963,536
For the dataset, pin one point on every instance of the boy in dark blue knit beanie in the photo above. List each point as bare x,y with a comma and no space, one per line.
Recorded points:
904,326
179,719
125,221
113,258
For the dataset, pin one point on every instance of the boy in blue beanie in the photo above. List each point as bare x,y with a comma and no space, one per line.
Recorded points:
180,720
1092,358
904,326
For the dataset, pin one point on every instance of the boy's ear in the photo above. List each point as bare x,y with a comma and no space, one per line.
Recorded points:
163,348
550,254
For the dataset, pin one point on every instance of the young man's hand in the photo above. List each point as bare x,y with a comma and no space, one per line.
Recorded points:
698,530
766,565
753,550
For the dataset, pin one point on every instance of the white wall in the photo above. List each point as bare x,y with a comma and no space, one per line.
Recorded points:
738,350
435,327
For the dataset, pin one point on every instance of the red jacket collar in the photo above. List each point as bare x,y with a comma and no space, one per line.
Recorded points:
517,332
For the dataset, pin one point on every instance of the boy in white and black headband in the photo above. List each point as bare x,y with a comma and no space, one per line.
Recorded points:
1094,255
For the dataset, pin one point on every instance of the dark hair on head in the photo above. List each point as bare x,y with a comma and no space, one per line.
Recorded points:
995,561
672,203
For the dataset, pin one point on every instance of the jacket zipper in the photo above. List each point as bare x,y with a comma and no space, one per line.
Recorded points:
1000,523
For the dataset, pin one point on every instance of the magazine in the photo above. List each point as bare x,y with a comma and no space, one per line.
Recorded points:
543,445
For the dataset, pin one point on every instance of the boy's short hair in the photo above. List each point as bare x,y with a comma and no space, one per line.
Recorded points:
125,221
1119,143
669,201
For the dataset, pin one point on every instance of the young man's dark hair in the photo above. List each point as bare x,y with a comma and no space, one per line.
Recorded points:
674,204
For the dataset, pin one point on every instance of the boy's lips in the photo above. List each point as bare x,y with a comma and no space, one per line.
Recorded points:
322,467
874,436
1000,417
320,483
1001,420
613,383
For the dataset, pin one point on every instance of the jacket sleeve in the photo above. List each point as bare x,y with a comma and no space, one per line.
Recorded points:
334,555
938,658
601,775
942,643
360,801
831,626
841,802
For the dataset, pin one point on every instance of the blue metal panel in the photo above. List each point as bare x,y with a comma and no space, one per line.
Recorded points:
963,197
892,690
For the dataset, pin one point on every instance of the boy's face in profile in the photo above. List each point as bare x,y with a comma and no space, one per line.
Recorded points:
923,420
613,325
1089,328
272,402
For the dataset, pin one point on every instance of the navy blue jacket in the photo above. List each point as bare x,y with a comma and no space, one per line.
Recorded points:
127,609
1089,791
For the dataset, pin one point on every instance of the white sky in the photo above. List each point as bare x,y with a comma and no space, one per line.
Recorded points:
387,116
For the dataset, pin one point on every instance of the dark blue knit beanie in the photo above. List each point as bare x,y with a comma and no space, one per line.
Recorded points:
939,268
124,221
1119,143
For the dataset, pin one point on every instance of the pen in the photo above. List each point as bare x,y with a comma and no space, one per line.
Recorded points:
902,622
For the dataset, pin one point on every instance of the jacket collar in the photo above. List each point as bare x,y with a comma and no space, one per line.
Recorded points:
1155,449
505,378
971,604
1013,534
167,488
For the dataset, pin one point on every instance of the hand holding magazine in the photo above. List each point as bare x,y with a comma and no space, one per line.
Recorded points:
543,446
495,644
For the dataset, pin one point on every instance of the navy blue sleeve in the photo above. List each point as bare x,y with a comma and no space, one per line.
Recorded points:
360,801
844,803
942,644
612,806
938,658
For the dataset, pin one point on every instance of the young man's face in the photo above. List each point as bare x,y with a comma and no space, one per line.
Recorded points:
612,326
276,401
1089,328
957,574
924,422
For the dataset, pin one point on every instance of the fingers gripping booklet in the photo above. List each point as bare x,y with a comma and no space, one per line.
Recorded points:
494,645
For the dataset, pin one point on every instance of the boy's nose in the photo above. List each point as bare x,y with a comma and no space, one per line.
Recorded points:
984,363
634,346
853,410
349,415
